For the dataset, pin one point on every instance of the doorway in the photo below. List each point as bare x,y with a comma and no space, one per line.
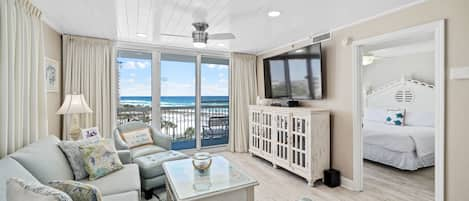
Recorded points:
362,57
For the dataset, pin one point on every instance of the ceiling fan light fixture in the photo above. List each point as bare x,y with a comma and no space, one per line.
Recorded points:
200,45
273,13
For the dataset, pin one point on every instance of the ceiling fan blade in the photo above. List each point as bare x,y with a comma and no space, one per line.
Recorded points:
175,35
221,36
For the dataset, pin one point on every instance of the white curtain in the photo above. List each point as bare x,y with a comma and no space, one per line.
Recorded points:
87,71
23,107
243,92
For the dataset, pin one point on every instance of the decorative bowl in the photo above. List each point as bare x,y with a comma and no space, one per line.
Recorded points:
202,161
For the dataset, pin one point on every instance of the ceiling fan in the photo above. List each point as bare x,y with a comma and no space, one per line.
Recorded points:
200,36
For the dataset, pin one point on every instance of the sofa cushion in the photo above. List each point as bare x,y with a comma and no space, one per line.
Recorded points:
145,150
44,160
100,159
71,149
127,196
11,168
137,138
124,180
152,165
78,191
19,190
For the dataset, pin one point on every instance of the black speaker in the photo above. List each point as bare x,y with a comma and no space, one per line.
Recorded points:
332,178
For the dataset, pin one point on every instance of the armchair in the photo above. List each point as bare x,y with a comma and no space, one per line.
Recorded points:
161,142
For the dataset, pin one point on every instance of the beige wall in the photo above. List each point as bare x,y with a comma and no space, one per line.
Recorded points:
53,50
339,85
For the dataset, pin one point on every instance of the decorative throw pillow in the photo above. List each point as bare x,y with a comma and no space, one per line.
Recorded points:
137,138
78,191
19,190
74,156
395,117
100,159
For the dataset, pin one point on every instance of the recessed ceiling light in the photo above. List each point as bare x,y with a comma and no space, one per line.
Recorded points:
221,45
141,35
273,13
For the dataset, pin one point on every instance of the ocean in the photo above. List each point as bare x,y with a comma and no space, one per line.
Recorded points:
166,101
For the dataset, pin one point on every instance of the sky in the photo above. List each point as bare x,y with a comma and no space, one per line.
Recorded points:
177,78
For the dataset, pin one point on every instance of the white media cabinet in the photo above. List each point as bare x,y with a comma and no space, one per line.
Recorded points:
296,138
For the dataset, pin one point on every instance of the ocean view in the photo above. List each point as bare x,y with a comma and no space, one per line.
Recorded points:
168,101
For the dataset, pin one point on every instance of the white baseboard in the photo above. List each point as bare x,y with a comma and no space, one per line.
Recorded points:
347,184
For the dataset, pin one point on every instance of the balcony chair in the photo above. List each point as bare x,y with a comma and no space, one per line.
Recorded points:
217,127
161,143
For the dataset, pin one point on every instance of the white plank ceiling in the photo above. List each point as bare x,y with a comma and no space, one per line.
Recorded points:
125,20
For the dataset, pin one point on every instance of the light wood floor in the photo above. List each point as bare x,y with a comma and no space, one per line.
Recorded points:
381,183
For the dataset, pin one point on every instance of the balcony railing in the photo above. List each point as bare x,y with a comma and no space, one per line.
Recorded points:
179,122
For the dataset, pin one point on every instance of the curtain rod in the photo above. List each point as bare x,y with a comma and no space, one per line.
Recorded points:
90,37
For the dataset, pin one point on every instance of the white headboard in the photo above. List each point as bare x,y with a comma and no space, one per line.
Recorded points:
413,95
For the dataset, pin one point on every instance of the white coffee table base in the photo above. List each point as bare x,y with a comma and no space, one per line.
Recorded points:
236,195
222,181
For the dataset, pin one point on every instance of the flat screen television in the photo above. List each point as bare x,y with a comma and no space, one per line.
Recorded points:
296,74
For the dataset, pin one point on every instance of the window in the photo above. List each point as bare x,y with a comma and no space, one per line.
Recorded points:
135,100
184,96
177,100
214,117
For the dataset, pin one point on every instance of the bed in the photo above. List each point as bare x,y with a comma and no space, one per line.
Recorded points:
407,147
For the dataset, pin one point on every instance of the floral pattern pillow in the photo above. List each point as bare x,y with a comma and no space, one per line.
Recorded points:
100,159
74,156
78,191
19,190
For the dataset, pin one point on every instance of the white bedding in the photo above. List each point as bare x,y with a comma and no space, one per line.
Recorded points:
400,138
406,143
401,160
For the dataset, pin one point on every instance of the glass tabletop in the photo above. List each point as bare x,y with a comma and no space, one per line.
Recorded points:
187,182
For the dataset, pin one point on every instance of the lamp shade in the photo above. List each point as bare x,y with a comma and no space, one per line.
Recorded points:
74,104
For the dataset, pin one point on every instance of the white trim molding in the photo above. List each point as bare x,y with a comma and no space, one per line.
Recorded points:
348,184
436,28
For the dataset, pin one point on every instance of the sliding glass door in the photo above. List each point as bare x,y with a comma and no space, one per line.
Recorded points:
134,86
214,118
184,96
178,99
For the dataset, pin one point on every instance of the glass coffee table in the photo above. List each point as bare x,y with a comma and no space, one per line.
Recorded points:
222,181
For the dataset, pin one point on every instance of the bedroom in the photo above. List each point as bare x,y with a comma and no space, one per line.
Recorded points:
398,114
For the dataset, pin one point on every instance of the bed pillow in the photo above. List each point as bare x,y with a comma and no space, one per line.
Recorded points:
19,190
375,114
395,117
100,159
78,191
137,138
423,119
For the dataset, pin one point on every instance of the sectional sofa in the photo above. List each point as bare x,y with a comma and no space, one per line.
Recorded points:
43,161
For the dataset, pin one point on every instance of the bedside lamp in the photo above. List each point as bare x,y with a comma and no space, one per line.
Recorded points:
74,105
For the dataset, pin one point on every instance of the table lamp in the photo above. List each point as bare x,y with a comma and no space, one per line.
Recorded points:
74,104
